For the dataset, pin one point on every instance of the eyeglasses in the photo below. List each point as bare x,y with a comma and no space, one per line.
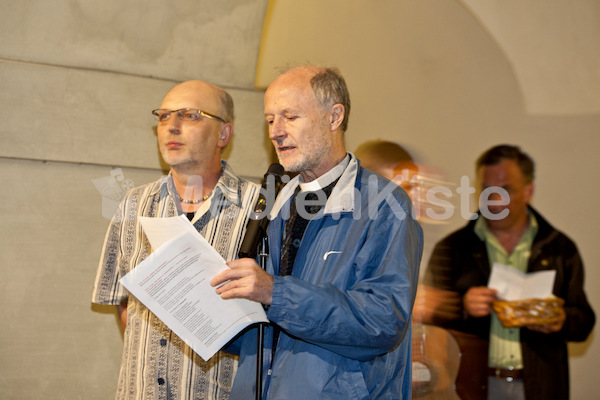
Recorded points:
184,114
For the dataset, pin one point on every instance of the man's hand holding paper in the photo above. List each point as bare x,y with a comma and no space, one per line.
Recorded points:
174,283
526,300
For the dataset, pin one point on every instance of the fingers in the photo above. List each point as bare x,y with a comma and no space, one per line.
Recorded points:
245,280
234,288
483,291
478,301
235,271
255,288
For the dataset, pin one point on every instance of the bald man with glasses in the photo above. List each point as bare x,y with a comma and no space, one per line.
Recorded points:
195,123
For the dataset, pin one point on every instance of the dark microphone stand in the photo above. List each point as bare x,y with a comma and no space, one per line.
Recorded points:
262,255
256,234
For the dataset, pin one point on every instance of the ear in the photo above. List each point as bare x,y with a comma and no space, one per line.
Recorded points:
529,189
225,135
337,116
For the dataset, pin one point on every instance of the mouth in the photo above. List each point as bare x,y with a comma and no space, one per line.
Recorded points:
497,213
174,145
284,149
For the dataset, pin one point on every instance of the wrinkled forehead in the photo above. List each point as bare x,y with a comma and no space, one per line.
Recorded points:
295,79
289,83
289,93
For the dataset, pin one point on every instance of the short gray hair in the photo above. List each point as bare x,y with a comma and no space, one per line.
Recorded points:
330,88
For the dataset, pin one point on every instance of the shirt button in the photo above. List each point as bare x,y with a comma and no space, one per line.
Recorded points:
161,381
163,342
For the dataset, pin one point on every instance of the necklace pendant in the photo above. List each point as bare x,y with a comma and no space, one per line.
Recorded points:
184,201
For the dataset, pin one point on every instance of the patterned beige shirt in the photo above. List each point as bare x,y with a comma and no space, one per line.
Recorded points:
156,363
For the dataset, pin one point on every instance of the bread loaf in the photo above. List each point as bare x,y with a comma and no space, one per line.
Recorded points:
528,312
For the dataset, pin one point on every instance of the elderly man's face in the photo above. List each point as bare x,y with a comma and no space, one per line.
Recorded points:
298,126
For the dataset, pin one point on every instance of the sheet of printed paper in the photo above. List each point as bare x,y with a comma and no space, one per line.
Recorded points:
161,230
512,284
174,283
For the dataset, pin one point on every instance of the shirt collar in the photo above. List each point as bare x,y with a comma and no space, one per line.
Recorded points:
326,179
228,185
482,231
342,195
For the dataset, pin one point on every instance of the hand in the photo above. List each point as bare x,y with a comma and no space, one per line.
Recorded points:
478,301
122,311
244,280
550,328
433,305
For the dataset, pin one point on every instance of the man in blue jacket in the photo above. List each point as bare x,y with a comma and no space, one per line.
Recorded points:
343,265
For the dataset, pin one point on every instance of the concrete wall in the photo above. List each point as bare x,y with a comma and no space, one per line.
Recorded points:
78,80
447,79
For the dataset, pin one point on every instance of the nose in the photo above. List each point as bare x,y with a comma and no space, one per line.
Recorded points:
499,196
496,201
174,125
277,128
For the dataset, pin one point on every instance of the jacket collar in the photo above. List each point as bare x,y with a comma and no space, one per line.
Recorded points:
342,198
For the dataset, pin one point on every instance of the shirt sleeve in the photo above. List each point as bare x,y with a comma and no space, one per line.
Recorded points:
107,289
580,316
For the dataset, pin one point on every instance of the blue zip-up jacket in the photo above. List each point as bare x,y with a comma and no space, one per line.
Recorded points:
345,311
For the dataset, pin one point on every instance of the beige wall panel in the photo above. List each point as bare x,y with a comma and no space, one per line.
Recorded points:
552,49
62,114
182,39
55,344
